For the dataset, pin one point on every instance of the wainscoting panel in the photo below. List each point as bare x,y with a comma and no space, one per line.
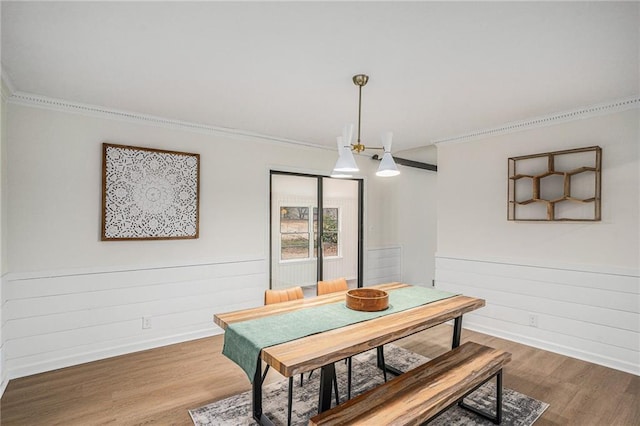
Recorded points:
55,320
4,379
3,370
383,265
592,315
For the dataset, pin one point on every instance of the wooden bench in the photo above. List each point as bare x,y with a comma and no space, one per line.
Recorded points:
426,391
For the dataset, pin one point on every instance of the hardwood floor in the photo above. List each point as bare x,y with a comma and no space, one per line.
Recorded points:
158,386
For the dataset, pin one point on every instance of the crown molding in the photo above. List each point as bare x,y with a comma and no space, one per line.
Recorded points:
28,99
547,120
39,101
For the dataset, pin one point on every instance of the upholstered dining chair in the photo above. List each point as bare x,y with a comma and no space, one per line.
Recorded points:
326,287
340,284
282,295
285,295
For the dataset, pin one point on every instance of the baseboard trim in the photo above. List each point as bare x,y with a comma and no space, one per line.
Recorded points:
19,371
556,348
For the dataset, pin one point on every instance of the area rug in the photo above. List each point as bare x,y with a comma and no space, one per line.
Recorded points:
518,409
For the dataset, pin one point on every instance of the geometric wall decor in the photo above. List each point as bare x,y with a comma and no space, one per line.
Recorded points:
556,186
149,194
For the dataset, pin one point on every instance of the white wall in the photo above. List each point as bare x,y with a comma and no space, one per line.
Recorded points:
417,204
71,298
403,209
3,228
579,281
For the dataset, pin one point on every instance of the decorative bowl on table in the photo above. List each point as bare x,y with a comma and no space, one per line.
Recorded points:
367,299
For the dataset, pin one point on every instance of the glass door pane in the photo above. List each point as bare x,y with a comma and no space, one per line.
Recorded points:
293,249
340,229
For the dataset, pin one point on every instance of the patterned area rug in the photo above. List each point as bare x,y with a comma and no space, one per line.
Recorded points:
518,409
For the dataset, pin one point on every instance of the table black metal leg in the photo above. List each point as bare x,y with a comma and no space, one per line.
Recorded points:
382,365
457,332
498,398
258,415
257,392
290,401
327,374
349,378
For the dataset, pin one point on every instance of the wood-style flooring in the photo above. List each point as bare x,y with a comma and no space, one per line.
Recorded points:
158,386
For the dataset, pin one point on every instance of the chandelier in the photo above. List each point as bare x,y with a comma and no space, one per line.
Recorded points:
346,163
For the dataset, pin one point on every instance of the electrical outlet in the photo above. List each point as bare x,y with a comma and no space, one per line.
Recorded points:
533,320
146,322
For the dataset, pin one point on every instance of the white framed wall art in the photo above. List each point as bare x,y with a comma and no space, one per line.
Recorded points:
149,193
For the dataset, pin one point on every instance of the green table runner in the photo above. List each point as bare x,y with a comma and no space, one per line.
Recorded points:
244,340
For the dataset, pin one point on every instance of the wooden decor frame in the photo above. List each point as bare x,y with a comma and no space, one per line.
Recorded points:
542,180
149,194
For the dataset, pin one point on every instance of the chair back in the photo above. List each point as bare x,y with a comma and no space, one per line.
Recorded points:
282,295
326,287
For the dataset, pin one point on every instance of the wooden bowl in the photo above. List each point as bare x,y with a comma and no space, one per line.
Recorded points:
367,299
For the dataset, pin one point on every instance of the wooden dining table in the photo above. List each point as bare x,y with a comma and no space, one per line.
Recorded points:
322,349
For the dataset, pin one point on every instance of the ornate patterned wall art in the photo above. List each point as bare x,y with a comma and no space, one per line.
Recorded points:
149,193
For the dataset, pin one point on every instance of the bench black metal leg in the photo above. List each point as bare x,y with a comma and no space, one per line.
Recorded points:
497,419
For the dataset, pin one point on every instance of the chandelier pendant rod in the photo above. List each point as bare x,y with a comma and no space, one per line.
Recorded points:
358,146
359,80
359,110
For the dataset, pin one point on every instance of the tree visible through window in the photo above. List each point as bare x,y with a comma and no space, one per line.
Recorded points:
298,235
329,231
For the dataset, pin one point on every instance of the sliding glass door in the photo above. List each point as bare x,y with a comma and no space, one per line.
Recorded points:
341,229
316,230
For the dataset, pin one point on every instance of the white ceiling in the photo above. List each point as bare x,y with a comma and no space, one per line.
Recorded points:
282,69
